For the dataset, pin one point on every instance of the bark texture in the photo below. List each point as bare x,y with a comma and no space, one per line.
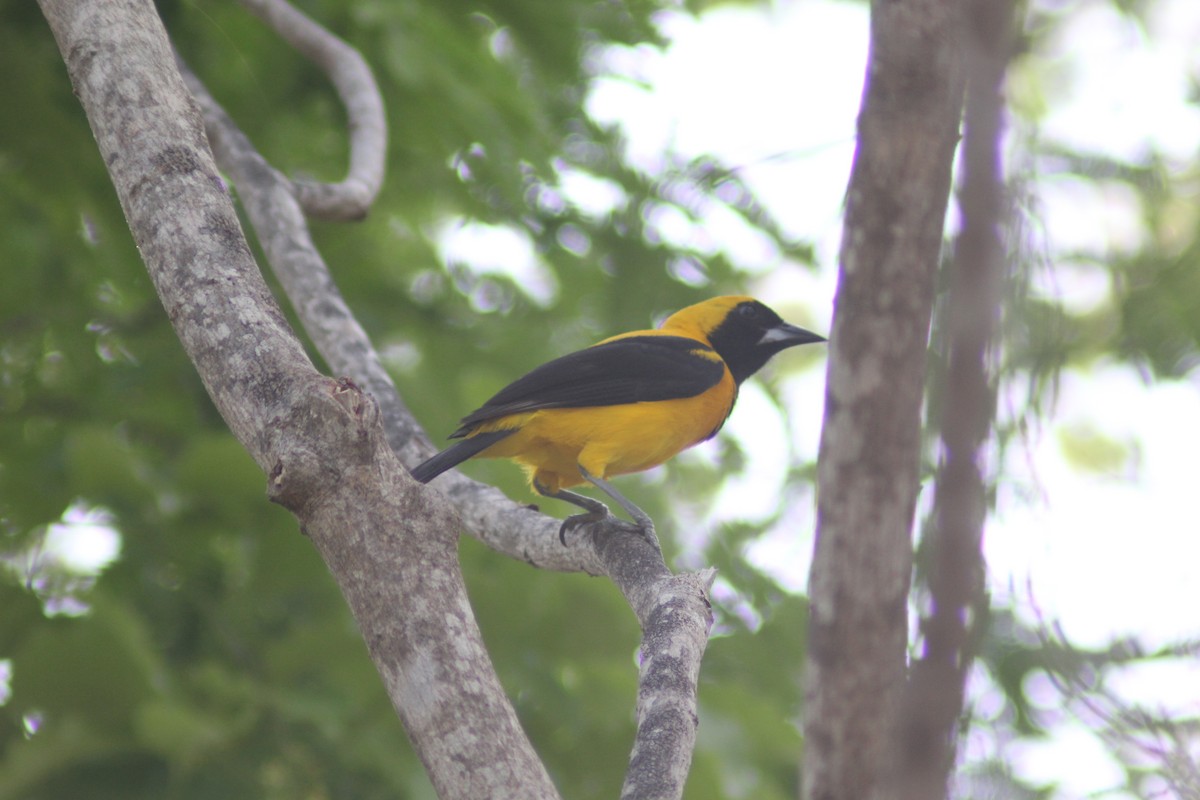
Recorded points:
319,440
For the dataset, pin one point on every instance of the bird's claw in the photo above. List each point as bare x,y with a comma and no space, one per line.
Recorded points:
575,520
644,527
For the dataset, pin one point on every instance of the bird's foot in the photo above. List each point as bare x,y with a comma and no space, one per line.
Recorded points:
644,526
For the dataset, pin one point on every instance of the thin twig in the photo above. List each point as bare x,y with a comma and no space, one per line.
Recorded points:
355,83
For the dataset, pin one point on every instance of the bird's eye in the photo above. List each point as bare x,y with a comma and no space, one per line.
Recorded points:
750,312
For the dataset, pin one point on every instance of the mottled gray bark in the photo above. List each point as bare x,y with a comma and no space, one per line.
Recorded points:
869,456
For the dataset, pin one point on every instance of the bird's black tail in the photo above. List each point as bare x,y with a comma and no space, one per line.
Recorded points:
457,453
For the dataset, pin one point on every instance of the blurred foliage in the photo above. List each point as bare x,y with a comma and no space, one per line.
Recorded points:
214,657
1130,297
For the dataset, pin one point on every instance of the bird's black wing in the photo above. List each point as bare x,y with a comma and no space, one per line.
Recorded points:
635,369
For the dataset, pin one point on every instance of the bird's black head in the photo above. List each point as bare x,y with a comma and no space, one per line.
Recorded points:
750,333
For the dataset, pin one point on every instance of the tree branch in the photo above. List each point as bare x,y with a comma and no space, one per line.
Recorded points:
954,546
278,220
673,610
348,72
320,441
869,455
274,213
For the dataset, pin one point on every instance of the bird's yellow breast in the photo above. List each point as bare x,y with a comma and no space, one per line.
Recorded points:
552,444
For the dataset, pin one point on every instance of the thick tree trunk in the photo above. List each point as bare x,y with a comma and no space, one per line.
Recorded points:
869,457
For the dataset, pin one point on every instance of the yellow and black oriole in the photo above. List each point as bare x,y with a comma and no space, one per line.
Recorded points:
623,405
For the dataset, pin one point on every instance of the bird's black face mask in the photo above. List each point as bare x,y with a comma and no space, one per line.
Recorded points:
751,334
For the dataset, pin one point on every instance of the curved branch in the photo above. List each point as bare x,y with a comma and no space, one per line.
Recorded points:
355,83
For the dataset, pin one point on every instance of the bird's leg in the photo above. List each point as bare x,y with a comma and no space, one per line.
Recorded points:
640,518
596,510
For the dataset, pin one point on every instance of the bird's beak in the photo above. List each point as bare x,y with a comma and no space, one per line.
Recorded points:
786,335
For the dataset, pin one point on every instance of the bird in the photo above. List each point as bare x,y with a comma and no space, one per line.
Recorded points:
625,404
